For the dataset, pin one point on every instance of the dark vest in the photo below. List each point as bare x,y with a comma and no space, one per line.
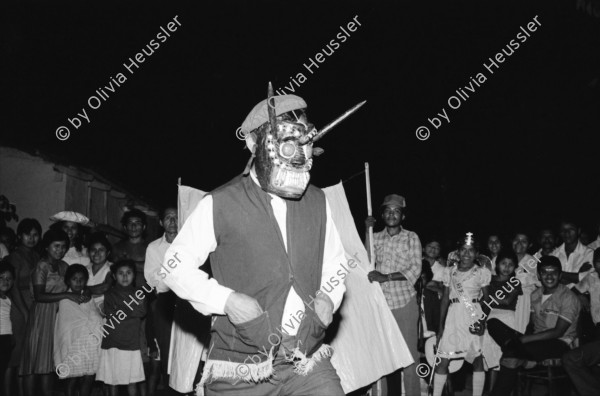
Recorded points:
250,258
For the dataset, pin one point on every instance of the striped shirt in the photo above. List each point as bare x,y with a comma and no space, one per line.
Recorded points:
398,253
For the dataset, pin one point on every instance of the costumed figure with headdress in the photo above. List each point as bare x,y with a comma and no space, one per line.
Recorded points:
272,245
462,318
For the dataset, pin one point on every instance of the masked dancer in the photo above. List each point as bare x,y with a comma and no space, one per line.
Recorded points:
273,246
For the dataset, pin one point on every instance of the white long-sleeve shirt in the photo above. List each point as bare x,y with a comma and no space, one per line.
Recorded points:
196,241
581,255
155,255
595,245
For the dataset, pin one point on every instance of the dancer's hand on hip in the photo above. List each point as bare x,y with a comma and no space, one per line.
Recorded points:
242,308
324,308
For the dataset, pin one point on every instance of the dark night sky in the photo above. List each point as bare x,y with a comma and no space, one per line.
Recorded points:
519,153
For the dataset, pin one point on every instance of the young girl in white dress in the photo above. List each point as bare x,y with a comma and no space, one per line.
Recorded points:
77,336
461,325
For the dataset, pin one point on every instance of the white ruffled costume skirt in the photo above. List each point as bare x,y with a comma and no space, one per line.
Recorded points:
457,342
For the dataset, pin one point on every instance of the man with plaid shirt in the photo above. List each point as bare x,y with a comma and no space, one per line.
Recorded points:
398,267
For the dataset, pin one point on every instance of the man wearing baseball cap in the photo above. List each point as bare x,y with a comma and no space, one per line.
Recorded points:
398,267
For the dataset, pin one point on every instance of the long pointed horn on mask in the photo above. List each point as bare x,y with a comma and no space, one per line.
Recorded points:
316,135
272,121
271,109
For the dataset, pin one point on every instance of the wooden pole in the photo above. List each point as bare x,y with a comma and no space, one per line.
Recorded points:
369,213
376,390
179,214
